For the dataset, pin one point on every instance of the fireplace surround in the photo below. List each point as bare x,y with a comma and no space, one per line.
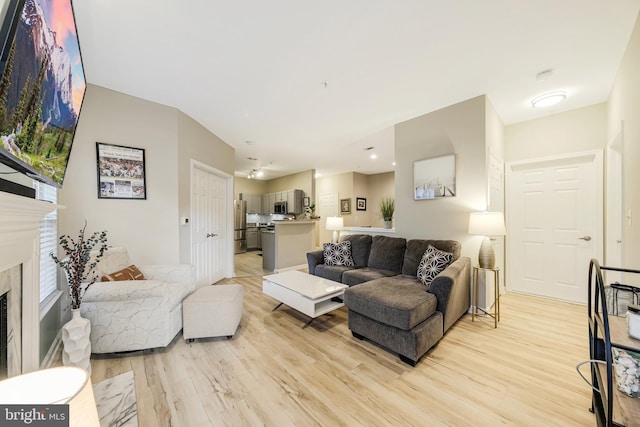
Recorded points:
20,254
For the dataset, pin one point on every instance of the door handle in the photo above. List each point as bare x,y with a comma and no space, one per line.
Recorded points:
585,238
211,235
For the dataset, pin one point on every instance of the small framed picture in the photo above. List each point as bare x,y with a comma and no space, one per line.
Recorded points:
306,202
361,204
345,206
121,172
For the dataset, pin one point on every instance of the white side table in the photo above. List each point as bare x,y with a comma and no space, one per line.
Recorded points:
496,303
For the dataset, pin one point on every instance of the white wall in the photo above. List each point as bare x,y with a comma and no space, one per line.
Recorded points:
304,181
624,106
582,129
248,186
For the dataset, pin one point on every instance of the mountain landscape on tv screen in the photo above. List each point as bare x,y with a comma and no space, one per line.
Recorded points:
39,100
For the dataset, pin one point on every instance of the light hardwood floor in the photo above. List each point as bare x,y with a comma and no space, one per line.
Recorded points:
249,264
275,372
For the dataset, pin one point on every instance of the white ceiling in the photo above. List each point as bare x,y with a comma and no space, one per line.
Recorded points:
304,85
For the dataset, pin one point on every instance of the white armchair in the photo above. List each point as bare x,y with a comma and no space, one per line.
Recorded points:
136,314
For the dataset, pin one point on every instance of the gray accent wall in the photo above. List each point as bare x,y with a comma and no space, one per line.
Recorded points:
468,130
194,141
150,229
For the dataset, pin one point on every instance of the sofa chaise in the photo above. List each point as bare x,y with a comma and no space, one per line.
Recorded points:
135,314
387,302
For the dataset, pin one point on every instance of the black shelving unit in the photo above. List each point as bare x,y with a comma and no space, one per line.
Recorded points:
611,407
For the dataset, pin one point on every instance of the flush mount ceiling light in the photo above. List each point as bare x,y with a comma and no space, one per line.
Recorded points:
548,99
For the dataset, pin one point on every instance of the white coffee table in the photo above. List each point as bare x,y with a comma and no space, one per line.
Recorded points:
311,295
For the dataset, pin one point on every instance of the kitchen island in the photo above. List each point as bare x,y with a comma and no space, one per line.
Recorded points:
286,247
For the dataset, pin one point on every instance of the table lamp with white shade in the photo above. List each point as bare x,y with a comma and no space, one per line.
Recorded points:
335,223
487,224
61,385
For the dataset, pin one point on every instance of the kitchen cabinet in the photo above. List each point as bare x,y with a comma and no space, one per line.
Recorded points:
268,200
252,238
294,201
272,201
263,203
254,202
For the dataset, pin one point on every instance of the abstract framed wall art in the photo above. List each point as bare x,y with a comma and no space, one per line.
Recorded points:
434,178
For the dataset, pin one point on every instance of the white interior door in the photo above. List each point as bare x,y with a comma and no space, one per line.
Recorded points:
327,206
554,225
209,225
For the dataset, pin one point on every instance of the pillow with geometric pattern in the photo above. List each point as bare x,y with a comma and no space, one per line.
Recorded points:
338,254
432,263
129,273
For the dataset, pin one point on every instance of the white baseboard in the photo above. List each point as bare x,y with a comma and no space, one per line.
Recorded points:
56,346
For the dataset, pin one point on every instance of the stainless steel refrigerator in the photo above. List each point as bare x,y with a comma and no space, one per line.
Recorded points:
240,226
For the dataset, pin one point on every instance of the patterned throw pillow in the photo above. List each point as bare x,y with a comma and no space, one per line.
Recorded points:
128,273
432,263
338,254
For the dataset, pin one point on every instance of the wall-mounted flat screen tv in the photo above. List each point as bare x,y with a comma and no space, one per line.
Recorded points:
41,89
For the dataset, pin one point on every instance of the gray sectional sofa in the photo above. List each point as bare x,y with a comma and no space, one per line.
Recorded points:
390,305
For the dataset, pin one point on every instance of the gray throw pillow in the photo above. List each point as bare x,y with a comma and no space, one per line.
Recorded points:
432,263
337,254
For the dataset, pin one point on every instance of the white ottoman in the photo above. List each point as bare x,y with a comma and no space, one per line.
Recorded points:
212,311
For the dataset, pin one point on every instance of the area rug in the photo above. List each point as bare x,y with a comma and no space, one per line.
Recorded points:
116,401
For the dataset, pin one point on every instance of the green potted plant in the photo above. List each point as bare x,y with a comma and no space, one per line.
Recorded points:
387,209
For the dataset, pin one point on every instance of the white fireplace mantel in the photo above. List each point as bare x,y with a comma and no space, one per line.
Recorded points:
20,244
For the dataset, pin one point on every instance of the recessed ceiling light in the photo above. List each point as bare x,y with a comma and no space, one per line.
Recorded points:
548,99
374,156
393,164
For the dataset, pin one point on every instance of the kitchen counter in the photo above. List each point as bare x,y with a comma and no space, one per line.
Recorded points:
292,222
287,246
366,230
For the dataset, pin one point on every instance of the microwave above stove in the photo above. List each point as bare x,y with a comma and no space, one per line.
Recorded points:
280,208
